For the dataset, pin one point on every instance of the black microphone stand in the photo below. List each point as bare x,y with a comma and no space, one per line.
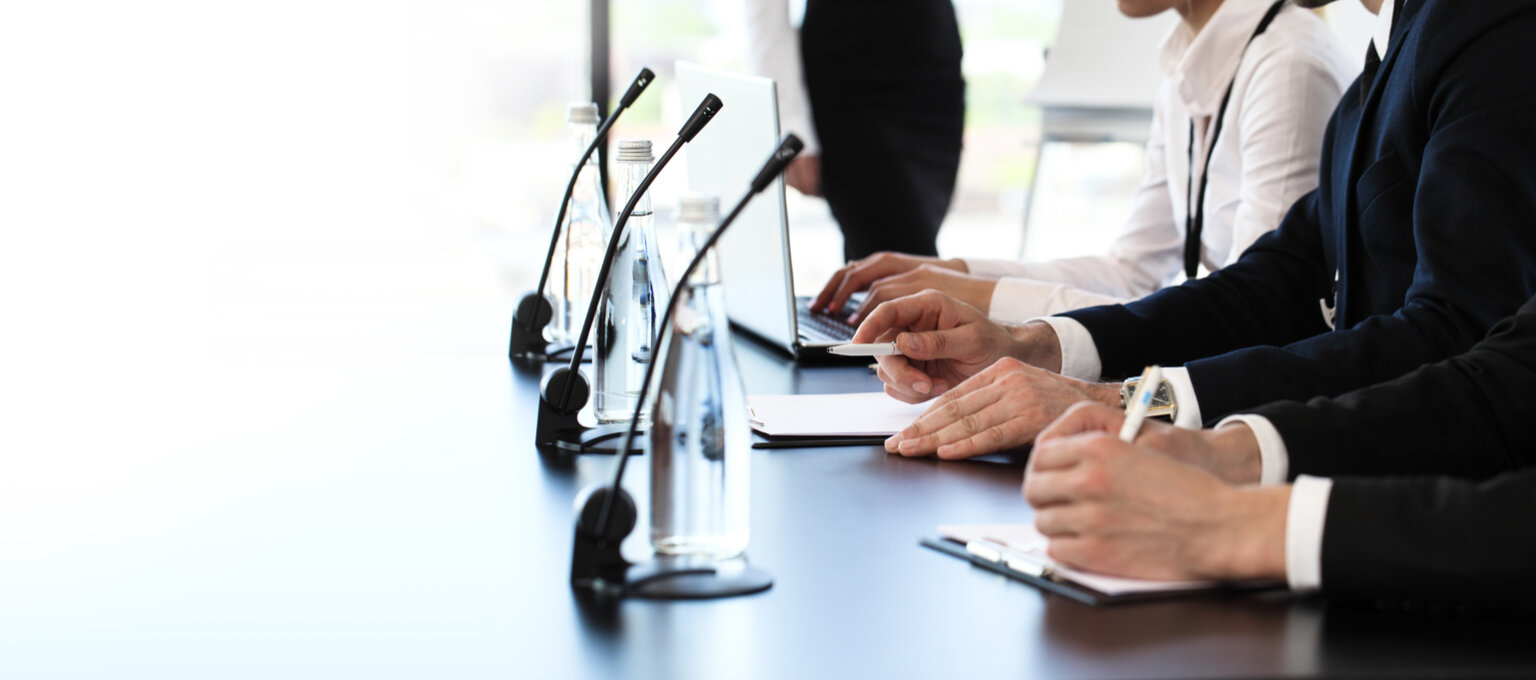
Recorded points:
564,390
608,513
534,311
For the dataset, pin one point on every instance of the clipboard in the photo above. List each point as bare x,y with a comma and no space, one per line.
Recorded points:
1053,581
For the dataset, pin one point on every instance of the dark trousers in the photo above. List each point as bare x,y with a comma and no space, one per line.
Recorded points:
888,102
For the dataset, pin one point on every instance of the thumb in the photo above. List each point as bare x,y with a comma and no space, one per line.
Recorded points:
927,345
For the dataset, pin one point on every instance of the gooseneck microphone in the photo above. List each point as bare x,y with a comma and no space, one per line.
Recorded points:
534,311
565,390
608,513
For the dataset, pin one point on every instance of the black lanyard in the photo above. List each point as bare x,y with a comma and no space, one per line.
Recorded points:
1194,216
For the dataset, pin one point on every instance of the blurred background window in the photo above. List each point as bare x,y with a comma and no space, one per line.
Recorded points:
519,65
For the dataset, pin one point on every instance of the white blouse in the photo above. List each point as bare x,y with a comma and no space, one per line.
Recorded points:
773,50
1286,86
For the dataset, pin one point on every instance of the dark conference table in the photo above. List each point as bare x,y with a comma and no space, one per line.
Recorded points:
855,595
386,515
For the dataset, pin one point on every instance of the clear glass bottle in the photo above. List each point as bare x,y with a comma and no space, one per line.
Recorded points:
700,445
635,296
583,237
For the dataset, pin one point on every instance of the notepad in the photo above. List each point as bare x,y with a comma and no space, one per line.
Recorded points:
1019,551
864,414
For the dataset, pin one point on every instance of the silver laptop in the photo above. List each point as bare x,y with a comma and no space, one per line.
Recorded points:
754,254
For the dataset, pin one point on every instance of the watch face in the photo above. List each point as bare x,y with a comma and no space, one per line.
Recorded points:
1162,398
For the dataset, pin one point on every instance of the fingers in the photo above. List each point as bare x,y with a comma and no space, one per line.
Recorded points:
1007,434
922,310
974,424
883,290
960,342
944,410
1066,452
864,272
1077,470
1046,489
907,383
833,284
1084,417
908,282
1064,520
920,438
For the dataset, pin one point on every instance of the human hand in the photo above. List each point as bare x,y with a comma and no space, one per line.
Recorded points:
943,340
972,290
804,174
859,274
1230,452
1125,510
1002,407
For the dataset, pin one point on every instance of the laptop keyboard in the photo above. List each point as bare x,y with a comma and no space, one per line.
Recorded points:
818,327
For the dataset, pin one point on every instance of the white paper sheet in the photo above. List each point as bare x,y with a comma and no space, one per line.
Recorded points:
1024,541
868,414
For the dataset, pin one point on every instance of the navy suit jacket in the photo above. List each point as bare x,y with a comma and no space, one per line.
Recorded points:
1392,536
1425,214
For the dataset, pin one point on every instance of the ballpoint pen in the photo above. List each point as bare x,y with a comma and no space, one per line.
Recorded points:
1136,411
873,349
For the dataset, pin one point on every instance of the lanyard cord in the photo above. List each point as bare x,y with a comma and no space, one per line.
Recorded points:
1194,215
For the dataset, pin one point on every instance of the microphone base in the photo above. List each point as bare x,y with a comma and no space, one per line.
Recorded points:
560,431
533,314
678,578
603,439
545,354
597,565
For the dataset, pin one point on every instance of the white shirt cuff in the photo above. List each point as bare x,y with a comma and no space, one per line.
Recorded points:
1015,299
991,268
1079,353
1188,416
1274,458
1304,521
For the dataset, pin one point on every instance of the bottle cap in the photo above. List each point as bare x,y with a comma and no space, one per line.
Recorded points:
584,113
698,208
635,151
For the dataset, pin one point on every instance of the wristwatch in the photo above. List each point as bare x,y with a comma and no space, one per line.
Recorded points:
1163,404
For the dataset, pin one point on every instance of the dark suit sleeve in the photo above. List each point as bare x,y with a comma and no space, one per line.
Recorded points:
1433,540
1268,297
1473,230
1467,416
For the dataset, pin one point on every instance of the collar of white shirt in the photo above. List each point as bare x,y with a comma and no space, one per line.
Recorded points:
1382,36
1201,66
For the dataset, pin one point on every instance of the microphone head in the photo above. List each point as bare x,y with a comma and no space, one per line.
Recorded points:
788,149
635,88
554,387
621,514
701,117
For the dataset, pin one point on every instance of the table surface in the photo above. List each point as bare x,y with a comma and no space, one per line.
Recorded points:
392,519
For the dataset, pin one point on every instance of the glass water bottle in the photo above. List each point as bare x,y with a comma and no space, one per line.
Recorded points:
700,445
635,296
583,237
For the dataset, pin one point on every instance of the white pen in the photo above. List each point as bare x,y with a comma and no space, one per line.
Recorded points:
873,349
1136,411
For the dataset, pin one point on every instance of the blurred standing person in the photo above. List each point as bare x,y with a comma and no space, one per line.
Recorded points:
1237,126
876,84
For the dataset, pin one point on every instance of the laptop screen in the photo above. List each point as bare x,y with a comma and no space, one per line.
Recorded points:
722,160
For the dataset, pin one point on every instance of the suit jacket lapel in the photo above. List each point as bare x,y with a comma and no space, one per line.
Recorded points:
1363,137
